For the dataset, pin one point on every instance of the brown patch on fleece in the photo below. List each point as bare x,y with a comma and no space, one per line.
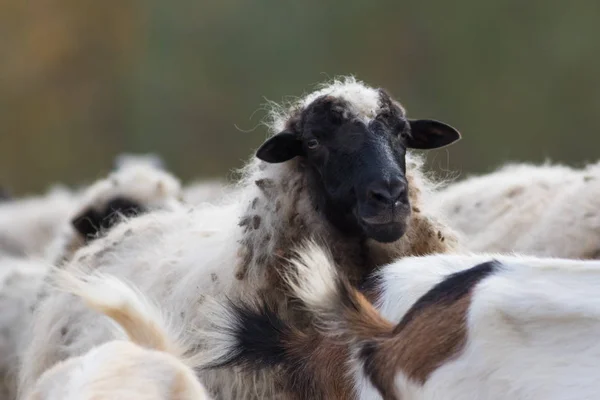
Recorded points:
432,332
288,217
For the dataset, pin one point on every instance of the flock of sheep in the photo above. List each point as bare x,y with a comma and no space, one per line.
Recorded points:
335,268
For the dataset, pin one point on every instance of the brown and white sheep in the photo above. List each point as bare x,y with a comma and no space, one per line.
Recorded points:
447,327
337,169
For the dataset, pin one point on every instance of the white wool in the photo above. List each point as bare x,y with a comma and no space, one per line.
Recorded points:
182,257
142,183
314,277
20,282
543,210
177,258
363,101
149,366
28,225
119,370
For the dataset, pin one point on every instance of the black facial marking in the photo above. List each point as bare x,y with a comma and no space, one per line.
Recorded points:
91,221
356,167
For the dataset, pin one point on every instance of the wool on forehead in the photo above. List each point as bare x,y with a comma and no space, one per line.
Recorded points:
363,100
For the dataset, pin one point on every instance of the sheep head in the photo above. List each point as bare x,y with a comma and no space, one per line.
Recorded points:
354,139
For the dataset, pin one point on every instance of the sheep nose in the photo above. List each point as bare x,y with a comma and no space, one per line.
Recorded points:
387,192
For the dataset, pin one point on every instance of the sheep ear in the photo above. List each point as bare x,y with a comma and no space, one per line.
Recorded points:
87,223
430,134
282,147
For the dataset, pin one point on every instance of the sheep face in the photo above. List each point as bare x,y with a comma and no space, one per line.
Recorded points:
356,160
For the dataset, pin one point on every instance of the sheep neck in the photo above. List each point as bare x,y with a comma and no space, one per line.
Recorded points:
281,214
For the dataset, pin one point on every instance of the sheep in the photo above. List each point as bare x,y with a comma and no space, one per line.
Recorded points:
207,191
20,281
543,210
150,365
131,189
28,225
136,187
336,168
473,326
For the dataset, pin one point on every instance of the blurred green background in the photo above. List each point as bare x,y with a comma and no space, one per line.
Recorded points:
83,80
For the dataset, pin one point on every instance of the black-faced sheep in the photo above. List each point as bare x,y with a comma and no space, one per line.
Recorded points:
445,327
542,210
147,365
133,189
337,169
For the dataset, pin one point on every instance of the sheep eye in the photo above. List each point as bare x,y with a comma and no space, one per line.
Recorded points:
312,144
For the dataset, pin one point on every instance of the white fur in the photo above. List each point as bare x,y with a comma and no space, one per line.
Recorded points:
135,180
313,280
148,367
183,257
543,210
28,225
533,331
20,282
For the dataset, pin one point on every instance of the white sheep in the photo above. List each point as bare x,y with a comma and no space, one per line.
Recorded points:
336,169
28,225
447,327
135,187
131,189
544,210
147,365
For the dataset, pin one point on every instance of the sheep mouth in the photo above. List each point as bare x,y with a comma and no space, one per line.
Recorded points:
385,233
387,225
